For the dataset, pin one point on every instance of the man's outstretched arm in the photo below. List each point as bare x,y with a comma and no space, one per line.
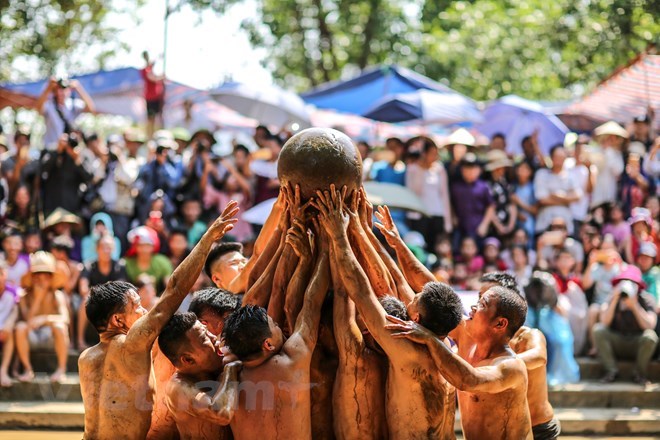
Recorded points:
415,272
145,331
493,379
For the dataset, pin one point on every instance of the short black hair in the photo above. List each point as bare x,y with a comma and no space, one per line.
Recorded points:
394,307
218,251
526,140
555,148
512,306
179,231
498,135
173,335
105,300
243,148
245,330
503,279
219,301
441,309
541,291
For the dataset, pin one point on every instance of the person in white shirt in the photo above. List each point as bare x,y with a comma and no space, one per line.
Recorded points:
584,173
428,179
610,137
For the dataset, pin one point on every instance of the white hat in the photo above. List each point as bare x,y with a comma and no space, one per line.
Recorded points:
462,137
611,128
497,159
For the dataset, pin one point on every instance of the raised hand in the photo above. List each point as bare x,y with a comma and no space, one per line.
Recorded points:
298,239
225,222
296,207
408,330
366,210
332,215
386,225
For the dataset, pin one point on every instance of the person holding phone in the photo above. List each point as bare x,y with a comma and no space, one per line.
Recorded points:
626,330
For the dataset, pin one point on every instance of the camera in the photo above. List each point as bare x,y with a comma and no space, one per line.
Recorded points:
72,140
628,288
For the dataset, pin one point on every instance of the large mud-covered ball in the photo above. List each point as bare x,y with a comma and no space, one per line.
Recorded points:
318,157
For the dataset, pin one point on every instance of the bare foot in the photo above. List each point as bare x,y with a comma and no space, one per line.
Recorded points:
5,380
28,376
58,376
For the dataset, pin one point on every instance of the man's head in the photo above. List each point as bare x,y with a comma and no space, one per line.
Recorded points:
189,345
470,169
212,306
498,142
178,242
501,279
498,314
12,244
224,263
191,210
114,306
251,334
558,157
437,307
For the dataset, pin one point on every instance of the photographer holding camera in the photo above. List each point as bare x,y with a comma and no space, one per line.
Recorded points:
63,175
626,330
61,111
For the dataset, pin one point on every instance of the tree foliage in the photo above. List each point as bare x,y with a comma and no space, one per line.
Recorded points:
483,48
45,33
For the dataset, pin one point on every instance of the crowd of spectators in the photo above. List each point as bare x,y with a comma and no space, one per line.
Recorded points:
84,210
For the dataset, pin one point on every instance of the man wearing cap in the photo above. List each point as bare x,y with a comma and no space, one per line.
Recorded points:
626,327
642,129
610,136
472,202
44,315
555,191
646,257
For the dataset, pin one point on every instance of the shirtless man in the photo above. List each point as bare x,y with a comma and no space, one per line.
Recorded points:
420,402
201,395
530,346
274,391
225,263
212,306
491,380
115,373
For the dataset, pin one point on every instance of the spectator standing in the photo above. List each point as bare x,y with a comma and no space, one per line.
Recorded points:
635,186
63,174
646,256
61,110
393,170
616,225
626,330
459,144
524,198
143,257
472,202
532,153
506,212
643,130
584,175
555,191
101,270
610,137
154,95
428,179
267,183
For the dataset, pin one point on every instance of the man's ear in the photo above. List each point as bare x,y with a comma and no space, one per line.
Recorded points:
216,280
502,323
117,320
268,345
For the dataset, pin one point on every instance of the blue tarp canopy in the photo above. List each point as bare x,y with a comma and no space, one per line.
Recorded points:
359,94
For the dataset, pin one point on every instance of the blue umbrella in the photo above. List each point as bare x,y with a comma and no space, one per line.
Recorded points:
426,106
517,118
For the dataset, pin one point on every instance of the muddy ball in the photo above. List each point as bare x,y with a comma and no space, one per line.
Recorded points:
317,157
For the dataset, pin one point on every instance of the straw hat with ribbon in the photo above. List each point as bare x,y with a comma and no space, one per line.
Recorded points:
45,262
61,215
497,159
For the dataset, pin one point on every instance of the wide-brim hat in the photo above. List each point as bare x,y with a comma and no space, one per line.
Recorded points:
41,262
61,215
461,137
134,135
204,132
497,159
611,128
631,273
